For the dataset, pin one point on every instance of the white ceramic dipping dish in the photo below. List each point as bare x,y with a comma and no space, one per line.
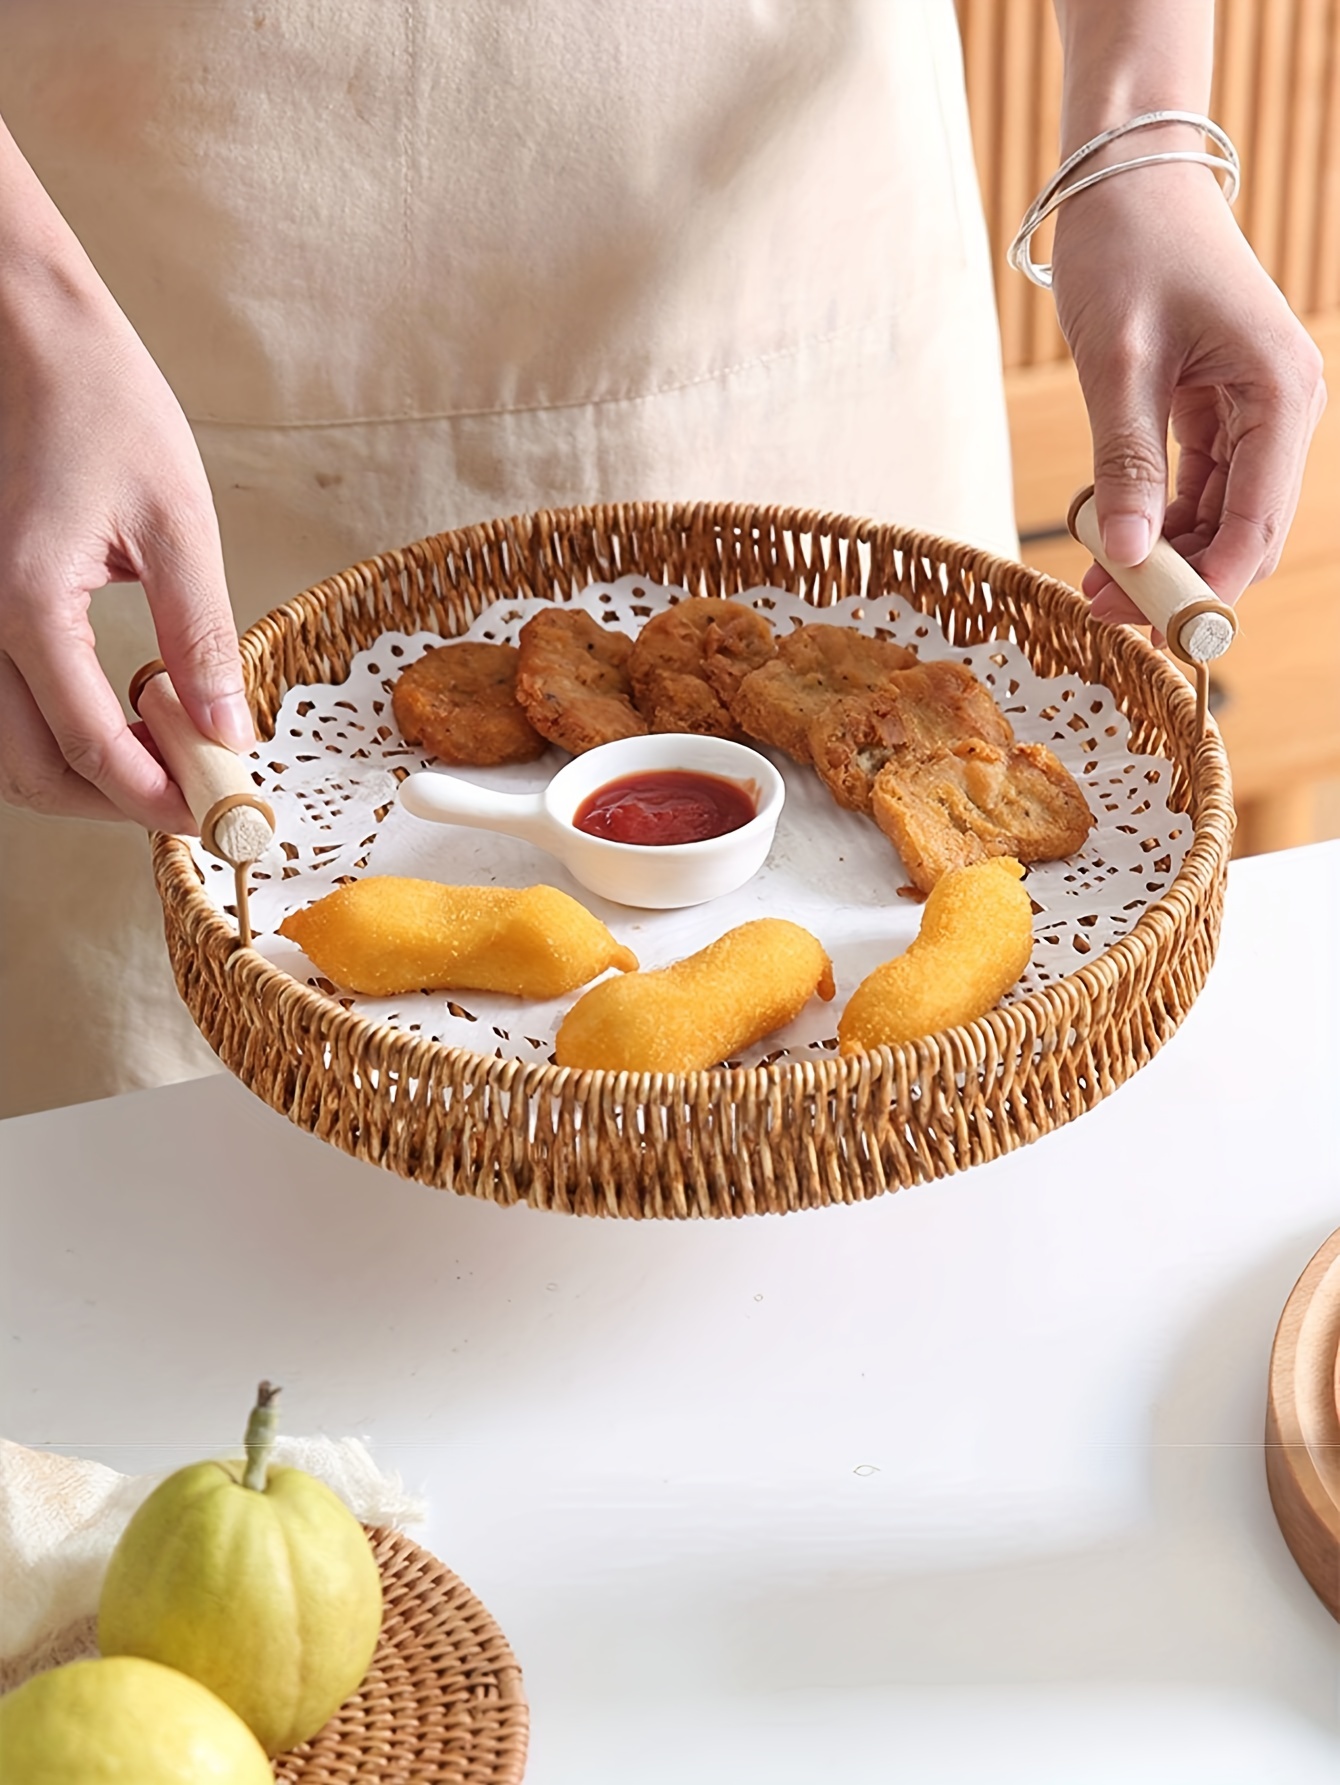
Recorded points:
658,876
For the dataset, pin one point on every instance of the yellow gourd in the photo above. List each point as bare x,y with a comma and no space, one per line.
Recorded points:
258,1582
120,1720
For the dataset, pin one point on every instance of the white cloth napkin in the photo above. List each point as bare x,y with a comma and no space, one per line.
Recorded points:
60,1518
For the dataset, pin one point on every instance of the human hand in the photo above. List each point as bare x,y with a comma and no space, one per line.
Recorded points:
100,482
1172,321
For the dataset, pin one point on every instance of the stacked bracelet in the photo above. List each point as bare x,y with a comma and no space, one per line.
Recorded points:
1056,191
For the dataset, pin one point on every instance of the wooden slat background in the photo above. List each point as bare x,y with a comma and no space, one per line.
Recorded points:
1276,92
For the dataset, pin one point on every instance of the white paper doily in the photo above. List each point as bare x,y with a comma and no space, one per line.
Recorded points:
332,768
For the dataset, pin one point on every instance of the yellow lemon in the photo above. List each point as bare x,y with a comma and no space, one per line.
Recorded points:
114,1722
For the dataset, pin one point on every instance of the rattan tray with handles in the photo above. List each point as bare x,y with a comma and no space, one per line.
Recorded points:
729,1141
442,1702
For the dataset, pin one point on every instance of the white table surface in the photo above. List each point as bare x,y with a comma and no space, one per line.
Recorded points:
962,1485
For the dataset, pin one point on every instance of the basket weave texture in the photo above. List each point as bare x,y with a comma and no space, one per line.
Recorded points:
765,1139
442,1703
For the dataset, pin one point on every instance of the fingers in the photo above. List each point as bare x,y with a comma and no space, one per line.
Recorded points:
65,746
1239,476
1128,417
1202,463
35,774
61,725
187,591
1247,507
1107,601
1113,605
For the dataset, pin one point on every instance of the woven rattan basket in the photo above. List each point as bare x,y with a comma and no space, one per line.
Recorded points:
442,1702
753,1140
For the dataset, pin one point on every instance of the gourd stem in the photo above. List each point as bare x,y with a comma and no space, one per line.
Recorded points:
261,1436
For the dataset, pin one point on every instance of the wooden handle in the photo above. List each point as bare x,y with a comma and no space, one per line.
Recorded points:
235,824
1197,625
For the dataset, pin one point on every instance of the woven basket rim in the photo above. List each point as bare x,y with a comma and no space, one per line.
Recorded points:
1003,1027
807,1132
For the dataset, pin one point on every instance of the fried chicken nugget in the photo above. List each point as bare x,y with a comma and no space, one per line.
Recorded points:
385,935
814,666
688,660
459,701
975,940
954,807
737,642
572,680
702,1009
930,707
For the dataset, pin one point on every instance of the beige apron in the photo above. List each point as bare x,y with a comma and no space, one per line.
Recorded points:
412,265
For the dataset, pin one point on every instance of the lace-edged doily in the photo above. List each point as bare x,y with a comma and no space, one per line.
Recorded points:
332,768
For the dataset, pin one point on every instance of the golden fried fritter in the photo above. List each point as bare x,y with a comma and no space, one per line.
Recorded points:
953,807
688,660
459,702
572,680
975,940
814,665
930,707
749,982
385,936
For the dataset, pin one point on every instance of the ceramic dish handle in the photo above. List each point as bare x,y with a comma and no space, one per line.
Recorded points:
235,823
447,799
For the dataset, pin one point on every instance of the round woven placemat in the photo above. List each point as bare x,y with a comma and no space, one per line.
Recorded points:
765,1139
442,1703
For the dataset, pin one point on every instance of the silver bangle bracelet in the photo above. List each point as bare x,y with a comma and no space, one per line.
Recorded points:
1056,191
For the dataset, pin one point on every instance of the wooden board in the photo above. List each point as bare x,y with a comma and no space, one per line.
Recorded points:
1303,1424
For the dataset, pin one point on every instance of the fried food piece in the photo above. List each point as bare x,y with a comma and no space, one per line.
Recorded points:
459,701
702,1009
385,935
927,708
737,642
975,940
964,805
851,740
572,680
688,660
814,666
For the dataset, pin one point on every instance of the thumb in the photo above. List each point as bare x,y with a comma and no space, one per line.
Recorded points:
1128,419
187,590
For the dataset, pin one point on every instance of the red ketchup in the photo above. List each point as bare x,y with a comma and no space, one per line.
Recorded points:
665,806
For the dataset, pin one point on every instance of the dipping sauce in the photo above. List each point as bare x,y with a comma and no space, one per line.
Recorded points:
666,806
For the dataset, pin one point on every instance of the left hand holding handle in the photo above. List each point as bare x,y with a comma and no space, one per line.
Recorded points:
234,823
